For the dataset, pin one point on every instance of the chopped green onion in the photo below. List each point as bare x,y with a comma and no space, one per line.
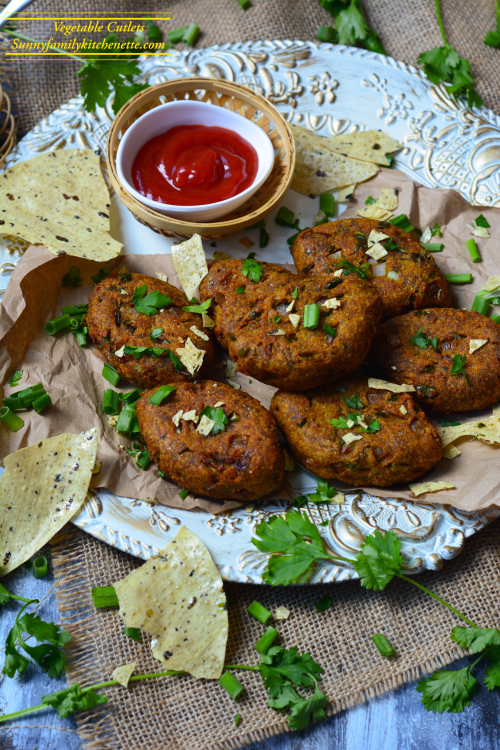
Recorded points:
29,395
81,337
213,244
240,290
263,238
458,278
323,604
285,217
161,474
28,564
327,34
259,612
258,225
144,460
327,204
75,323
109,373
433,247
155,334
110,402
72,278
245,4
132,397
161,394
133,633
233,686
125,419
13,402
16,377
175,36
104,596
480,305
10,419
183,494
292,239
264,644
330,331
402,221
53,326
42,402
474,252
100,275
40,567
237,720
295,293
311,316
191,34
74,309
383,645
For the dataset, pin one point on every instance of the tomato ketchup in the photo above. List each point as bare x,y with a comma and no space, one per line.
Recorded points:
193,165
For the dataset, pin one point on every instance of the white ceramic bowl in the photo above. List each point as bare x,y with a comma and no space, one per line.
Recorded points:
167,116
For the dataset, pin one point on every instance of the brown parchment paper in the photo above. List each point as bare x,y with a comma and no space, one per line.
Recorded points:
72,375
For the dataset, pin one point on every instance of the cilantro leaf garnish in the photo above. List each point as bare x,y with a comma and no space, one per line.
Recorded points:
279,663
354,402
482,222
492,679
155,334
151,303
448,423
492,38
370,201
74,699
374,426
351,25
72,278
216,415
379,560
457,367
422,340
436,229
323,604
362,272
448,690
252,269
446,65
477,639
200,309
139,351
323,493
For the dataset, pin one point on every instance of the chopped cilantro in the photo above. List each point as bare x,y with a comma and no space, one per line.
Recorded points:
362,272
100,275
324,492
216,415
151,303
263,237
200,309
354,402
72,278
323,604
482,222
240,290
252,270
183,494
422,340
155,334
295,293
370,201
457,367
374,426
16,377
251,256
139,351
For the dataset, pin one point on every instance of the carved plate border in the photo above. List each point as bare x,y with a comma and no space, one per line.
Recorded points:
331,89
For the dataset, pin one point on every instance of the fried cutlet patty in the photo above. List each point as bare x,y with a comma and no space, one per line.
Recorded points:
113,323
257,323
242,462
423,347
399,445
412,280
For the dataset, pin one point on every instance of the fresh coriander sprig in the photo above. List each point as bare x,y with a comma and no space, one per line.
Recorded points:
444,64
492,38
351,26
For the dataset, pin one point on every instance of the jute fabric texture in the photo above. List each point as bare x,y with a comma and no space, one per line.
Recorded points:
180,712
406,27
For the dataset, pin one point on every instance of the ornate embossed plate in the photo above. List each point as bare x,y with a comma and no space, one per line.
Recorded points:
330,89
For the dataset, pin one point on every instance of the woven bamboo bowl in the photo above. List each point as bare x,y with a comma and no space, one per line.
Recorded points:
223,94
7,127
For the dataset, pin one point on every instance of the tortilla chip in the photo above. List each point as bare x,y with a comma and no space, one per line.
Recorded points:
346,194
191,357
162,276
420,488
451,452
377,251
487,430
319,170
351,437
177,596
374,212
388,199
394,387
123,674
475,344
205,426
190,264
60,200
370,145
294,319
41,488
207,321
492,284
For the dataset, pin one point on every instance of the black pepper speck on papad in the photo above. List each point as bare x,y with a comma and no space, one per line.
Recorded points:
475,382
242,462
266,333
377,437
114,322
411,279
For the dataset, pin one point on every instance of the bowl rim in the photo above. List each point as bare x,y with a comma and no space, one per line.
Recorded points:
182,227
178,103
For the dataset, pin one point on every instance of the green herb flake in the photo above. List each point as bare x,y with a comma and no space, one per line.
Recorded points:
323,604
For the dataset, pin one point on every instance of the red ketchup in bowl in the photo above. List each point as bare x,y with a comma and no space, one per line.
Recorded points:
193,165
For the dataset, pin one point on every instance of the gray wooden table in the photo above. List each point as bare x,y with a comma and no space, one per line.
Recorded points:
396,721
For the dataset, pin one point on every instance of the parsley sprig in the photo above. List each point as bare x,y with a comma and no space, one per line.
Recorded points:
351,26
444,64
252,270
149,304
492,38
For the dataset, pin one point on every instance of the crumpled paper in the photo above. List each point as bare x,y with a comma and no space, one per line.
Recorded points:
72,376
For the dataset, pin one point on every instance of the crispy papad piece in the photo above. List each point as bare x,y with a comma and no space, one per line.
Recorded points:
318,169
190,263
60,200
41,488
177,596
487,430
369,145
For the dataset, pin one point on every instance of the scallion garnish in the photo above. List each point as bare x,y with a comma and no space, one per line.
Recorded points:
329,330
176,35
474,252
231,685
264,644
383,645
57,324
285,217
131,397
402,221
327,204
110,374
104,596
74,309
481,305
161,394
12,421
458,278
125,419
42,402
263,238
259,612
16,377
433,247
110,402
40,567
191,34
133,633
143,460
311,316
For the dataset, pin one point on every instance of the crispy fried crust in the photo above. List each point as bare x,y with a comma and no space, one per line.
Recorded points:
420,284
247,324
406,446
113,322
244,462
429,370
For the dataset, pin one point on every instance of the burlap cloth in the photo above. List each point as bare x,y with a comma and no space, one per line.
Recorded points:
180,712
